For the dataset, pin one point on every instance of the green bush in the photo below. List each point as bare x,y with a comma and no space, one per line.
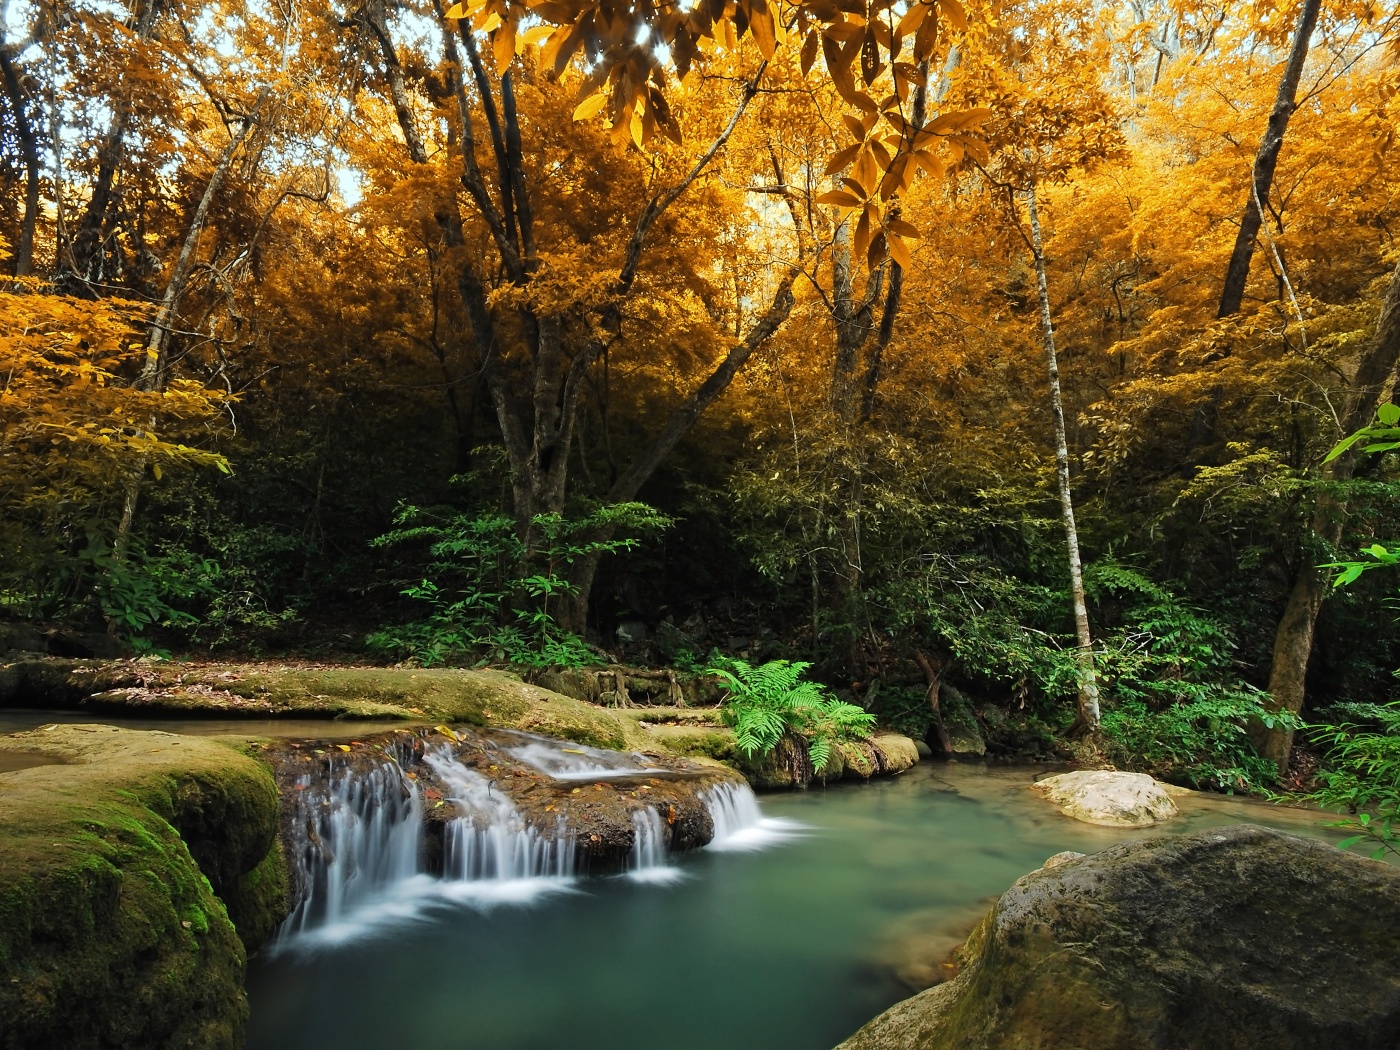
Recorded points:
1361,777
1173,702
773,699
493,595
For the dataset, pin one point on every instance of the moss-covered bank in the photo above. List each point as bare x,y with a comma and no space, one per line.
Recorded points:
134,877
456,696
470,697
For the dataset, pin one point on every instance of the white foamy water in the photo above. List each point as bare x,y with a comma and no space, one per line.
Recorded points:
359,858
361,839
491,841
740,826
566,761
650,849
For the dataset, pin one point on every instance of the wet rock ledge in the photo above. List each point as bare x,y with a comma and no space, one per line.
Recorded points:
485,698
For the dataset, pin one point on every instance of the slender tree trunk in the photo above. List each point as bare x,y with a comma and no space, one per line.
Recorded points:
933,679
1266,160
1087,717
85,252
1294,637
153,371
574,609
24,130
854,386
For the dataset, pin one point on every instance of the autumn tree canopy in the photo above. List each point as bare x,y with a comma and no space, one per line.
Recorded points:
279,276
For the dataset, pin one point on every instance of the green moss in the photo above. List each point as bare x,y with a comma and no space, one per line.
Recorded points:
697,741
112,930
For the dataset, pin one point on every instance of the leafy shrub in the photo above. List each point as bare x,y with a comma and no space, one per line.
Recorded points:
773,699
143,590
493,595
1173,704
1362,775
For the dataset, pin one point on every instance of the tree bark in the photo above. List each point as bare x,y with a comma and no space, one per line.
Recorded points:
534,372
1087,715
1293,639
1266,161
85,252
629,483
14,93
933,679
153,375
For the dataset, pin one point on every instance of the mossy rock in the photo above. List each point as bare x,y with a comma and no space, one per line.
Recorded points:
472,697
112,930
1236,937
695,741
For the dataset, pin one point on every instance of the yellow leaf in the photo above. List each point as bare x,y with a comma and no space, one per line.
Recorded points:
503,46
899,251
590,107
842,158
840,198
953,11
761,26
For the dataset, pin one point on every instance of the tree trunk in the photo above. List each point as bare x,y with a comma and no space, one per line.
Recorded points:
153,372
1293,639
933,679
1266,160
574,609
85,251
14,92
1087,716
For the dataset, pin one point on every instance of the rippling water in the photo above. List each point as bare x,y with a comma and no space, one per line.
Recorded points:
849,895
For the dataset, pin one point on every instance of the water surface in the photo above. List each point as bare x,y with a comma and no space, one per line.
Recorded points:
792,947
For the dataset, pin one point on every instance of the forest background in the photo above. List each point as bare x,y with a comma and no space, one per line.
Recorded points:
565,333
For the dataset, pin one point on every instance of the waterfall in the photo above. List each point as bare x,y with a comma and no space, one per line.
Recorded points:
491,842
361,837
362,858
650,852
740,825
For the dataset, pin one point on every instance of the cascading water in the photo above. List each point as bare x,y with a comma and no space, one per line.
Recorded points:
362,834
491,842
372,843
650,854
740,825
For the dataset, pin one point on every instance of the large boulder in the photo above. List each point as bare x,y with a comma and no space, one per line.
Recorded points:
1234,938
136,871
1109,798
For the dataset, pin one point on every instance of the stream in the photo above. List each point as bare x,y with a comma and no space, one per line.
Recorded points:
791,933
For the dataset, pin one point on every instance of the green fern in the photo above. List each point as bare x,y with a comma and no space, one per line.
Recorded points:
773,699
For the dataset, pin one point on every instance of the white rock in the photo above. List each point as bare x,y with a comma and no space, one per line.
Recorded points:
1109,798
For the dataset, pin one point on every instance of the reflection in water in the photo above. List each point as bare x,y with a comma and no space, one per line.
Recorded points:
793,947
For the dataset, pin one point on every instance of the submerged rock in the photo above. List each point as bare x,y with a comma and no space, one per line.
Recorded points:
134,875
1109,798
1236,937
